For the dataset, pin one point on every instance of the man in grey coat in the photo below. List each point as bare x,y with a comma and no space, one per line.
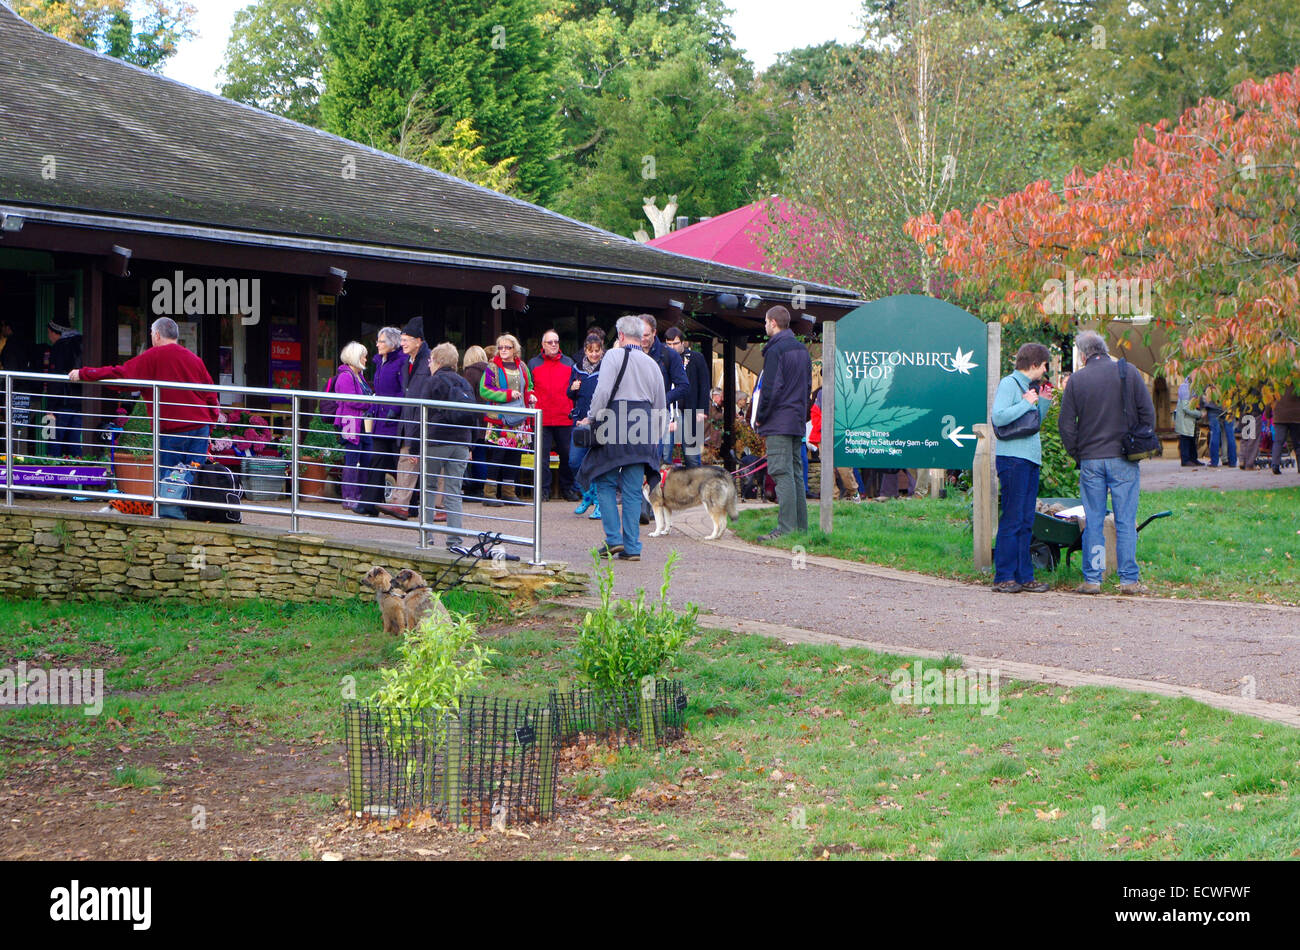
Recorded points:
632,423
782,412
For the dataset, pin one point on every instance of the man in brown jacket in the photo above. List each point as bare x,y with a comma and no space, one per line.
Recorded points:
1286,423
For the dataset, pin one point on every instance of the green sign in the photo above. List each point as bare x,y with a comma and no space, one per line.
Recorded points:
910,384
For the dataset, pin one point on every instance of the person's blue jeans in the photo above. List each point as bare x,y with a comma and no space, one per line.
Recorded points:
1122,479
177,448
621,527
1019,480
180,448
1221,424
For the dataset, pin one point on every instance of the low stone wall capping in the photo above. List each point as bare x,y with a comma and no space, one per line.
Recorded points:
95,556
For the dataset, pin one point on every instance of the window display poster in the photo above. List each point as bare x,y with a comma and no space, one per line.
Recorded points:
286,354
189,335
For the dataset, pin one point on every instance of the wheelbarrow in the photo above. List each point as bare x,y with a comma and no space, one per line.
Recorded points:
1051,535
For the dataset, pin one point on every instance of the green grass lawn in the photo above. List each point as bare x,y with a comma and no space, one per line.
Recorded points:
1238,545
791,752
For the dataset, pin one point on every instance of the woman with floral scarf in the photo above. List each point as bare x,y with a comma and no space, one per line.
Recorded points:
506,382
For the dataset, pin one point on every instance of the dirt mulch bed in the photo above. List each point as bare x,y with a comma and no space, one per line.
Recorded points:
286,803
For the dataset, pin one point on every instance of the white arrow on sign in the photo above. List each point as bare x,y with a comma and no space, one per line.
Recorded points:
956,435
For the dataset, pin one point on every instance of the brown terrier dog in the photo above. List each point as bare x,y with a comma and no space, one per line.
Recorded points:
392,603
419,599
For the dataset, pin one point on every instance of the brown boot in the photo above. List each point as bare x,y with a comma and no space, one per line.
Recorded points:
508,492
490,495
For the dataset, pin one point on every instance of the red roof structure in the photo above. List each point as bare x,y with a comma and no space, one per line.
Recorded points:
736,238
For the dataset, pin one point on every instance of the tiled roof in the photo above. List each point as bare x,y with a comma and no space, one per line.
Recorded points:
130,143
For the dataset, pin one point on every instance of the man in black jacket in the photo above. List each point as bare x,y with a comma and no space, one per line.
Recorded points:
670,365
781,415
1092,427
694,405
414,374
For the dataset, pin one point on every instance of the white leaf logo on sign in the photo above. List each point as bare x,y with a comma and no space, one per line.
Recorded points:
962,361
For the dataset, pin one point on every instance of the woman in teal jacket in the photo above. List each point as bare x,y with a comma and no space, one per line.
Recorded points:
1019,461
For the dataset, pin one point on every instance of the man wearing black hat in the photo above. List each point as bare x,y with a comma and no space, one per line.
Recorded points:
416,366
63,400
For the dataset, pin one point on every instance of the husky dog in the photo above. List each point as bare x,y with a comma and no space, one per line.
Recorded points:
681,488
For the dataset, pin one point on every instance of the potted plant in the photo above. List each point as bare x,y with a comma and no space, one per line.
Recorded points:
318,455
133,455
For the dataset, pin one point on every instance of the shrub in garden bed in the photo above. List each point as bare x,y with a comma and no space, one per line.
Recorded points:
428,742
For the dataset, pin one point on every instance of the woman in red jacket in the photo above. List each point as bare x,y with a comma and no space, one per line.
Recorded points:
552,371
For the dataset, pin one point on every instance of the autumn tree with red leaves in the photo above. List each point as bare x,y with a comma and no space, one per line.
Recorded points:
1205,210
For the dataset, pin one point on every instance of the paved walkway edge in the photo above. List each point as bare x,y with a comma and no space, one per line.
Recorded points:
889,573
1258,708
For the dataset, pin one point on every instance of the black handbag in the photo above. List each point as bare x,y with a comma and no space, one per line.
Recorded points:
1021,426
588,436
1140,441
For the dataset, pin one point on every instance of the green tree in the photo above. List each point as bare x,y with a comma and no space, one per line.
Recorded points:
143,32
652,109
1129,63
940,108
275,59
456,151
393,64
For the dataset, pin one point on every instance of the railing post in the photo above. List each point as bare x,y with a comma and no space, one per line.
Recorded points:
293,463
424,481
9,441
157,452
538,462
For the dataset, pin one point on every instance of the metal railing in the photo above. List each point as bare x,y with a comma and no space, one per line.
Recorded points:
50,424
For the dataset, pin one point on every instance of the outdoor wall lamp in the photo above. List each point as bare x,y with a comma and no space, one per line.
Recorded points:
12,223
333,283
752,301
517,300
670,315
118,261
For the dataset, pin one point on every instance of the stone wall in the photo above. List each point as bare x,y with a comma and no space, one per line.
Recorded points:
51,554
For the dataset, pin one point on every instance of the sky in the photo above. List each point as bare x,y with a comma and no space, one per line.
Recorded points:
763,28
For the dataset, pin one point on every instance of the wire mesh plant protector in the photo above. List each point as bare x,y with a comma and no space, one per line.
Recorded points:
490,762
622,716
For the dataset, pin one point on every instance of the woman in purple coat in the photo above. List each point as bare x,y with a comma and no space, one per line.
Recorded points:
355,426
388,382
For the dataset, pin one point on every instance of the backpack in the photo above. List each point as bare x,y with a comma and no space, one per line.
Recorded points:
464,420
215,483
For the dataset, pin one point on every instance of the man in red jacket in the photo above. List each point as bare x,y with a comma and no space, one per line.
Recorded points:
186,414
552,372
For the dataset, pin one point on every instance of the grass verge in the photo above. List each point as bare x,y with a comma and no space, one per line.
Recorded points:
1238,545
792,751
